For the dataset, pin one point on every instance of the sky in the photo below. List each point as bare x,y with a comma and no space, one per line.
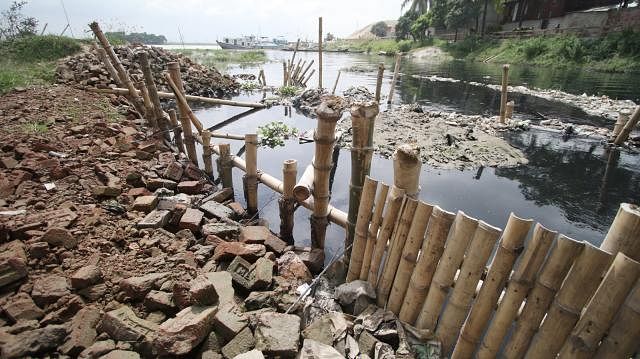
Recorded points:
205,21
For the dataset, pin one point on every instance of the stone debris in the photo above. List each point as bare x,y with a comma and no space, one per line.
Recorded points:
356,296
229,321
312,349
242,343
179,335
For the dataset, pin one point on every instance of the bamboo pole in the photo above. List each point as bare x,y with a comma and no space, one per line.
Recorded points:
227,136
577,289
313,71
301,68
148,106
290,67
379,81
328,115
396,69
102,55
622,338
177,130
301,77
284,73
563,254
503,93
302,190
521,282
406,169
372,234
628,127
392,209
509,111
598,314
396,247
624,232
472,268
320,52
623,118
362,228
460,235
287,201
431,251
153,94
251,177
296,70
509,248
189,140
224,165
206,153
180,98
335,84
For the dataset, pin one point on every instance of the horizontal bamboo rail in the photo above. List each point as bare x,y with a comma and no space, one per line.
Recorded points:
192,98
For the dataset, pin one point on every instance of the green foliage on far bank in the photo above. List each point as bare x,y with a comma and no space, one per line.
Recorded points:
388,46
220,59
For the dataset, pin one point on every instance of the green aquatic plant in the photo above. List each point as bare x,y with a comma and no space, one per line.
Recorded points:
288,91
275,133
250,86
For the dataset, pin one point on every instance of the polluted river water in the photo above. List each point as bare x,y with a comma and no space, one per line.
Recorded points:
573,186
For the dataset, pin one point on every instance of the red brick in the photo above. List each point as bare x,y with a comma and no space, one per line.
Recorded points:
191,220
190,187
145,204
173,172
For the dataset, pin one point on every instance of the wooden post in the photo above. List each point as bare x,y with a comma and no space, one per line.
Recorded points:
432,248
519,285
396,246
472,268
287,201
372,234
284,73
153,94
206,153
251,177
622,339
301,77
189,140
624,232
598,314
379,81
580,284
177,130
149,114
406,169
335,84
563,254
313,71
320,53
361,229
460,235
628,127
102,55
296,70
396,69
623,118
290,66
503,96
225,165
302,190
325,138
394,201
509,248
510,107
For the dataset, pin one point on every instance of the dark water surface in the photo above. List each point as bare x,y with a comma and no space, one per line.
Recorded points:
573,187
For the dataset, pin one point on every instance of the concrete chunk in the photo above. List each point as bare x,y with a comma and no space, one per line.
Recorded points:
155,219
179,335
229,321
217,210
278,334
242,343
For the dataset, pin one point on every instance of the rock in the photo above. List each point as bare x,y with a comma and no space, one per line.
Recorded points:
156,317
98,348
278,334
229,321
179,335
242,343
220,195
85,277
369,344
38,250
22,307
190,187
138,287
262,274
313,258
93,292
122,324
155,219
262,235
217,210
145,204
158,300
312,349
112,190
22,326
34,342
13,262
244,274
82,332
275,244
356,295
155,183
228,250
291,267
212,288
47,290
259,300
121,354
252,354
212,343
174,171
222,230
326,329
63,309
191,220
60,237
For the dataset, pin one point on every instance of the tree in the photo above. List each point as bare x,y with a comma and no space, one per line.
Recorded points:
14,24
460,13
329,37
379,29
403,27
420,25
418,6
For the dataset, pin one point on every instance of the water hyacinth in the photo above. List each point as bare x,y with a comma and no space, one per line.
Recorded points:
275,133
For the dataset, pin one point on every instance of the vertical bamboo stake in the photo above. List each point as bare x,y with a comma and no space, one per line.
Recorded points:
598,314
396,246
577,289
503,96
325,138
296,71
376,220
225,166
177,130
320,53
287,201
102,55
361,229
379,81
432,248
290,64
392,208
628,127
301,77
335,84
624,232
284,73
148,106
460,235
153,93
623,117
549,280
251,177
396,69
206,153
472,268
363,118
406,169
509,248
622,338
520,283
509,112
189,140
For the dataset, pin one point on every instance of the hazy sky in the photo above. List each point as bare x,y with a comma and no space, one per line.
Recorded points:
208,20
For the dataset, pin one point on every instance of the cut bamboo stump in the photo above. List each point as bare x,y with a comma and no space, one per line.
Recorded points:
303,189
624,232
549,280
623,118
432,248
287,202
409,257
509,248
503,93
206,153
379,81
251,177
225,165
598,314
153,94
509,111
406,169
361,229
363,117
189,140
177,130
580,284
325,138
521,282
320,53
461,232
372,234
622,338
628,127
396,70
392,209
396,247
461,297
